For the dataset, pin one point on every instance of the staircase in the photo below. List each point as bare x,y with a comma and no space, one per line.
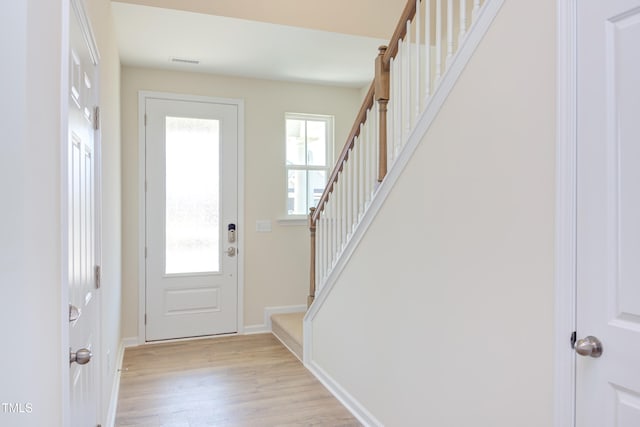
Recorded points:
430,46
287,327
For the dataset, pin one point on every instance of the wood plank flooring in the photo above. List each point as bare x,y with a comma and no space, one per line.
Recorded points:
246,380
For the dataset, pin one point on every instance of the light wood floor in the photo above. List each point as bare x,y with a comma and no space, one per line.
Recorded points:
249,380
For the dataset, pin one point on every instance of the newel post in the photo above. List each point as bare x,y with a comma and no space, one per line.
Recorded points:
382,97
312,263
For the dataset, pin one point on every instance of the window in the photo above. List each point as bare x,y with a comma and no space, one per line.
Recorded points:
309,143
192,221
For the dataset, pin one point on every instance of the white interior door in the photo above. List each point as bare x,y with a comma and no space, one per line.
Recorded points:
191,218
81,173
608,273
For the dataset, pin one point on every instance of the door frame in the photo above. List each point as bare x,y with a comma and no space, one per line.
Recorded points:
142,173
566,214
77,7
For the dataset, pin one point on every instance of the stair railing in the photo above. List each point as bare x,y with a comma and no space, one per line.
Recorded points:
407,74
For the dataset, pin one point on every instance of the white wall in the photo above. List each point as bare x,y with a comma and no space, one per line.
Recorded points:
444,315
276,263
31,361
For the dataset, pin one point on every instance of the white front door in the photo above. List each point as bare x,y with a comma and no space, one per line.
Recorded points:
191,218
608,233
81,206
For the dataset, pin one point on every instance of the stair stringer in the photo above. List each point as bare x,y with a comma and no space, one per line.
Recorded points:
427,117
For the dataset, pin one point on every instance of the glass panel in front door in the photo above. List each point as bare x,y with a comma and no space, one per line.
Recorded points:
192,200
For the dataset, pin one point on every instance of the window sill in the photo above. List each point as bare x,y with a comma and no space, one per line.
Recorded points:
293,221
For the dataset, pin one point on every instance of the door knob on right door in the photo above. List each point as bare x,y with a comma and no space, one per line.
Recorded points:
589,346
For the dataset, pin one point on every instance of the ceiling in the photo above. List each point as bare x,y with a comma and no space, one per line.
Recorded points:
150,36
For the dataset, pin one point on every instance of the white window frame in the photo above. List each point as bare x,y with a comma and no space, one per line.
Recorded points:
330,138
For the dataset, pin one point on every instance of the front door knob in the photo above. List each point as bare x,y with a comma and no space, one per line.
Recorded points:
589,346
81,357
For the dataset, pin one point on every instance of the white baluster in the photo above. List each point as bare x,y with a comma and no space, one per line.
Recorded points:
343,213
345,204
347,199
427,47
398,108
476,9
410,81
326,237
334,225
416,90
399,112
353,159
318,254
325,245
350,193
391,107
364,150
364,146
354,186
371,147
406,96
339,209
321,233
361,175
463,21
438,41
449,32
373,131
330,234
338,202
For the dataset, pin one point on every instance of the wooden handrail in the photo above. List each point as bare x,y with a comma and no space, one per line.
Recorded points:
344,155
379,92
401,30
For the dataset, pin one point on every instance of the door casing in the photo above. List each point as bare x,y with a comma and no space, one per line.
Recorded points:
566,214
142,96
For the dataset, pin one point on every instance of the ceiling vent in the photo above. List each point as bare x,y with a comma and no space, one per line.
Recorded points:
185,61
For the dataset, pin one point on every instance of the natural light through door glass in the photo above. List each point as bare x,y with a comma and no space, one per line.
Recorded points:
192,195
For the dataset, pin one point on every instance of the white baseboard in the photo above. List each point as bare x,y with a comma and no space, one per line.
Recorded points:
256,329
130,342
349,402
115,389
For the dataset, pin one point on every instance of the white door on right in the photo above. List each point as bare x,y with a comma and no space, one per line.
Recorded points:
608,215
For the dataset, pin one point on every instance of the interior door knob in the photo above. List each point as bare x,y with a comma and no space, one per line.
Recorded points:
589,346
81,357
